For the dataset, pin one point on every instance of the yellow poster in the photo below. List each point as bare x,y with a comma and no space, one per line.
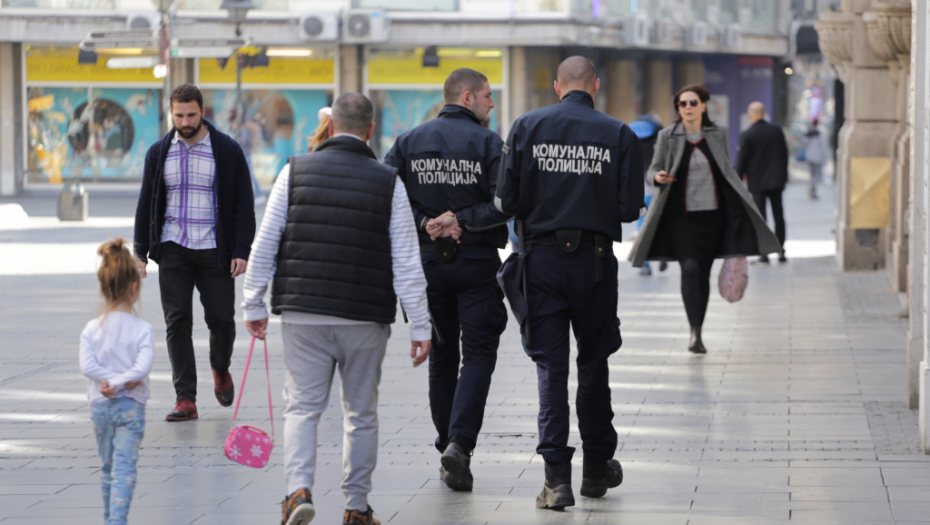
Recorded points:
408,68
60,64
279,70
869,192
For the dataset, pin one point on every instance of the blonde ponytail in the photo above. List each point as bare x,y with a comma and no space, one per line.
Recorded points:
118,272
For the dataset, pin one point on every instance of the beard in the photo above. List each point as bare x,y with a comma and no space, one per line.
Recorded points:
190,132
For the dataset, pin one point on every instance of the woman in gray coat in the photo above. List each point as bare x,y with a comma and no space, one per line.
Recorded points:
703,211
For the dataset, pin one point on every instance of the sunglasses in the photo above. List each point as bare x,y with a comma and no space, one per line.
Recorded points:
685,103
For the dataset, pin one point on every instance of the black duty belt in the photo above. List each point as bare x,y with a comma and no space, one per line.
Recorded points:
445,248
568,243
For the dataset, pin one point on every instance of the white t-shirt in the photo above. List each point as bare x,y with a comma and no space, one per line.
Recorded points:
117,347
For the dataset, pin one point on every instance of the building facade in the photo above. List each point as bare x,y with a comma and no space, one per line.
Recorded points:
67,114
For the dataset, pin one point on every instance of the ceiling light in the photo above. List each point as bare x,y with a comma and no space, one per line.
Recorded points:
122,51
489,53
288,52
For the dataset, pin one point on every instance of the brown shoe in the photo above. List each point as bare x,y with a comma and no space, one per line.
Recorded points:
357,517
297,509
223,388
184,410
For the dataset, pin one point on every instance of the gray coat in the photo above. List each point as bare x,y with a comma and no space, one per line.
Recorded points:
668,155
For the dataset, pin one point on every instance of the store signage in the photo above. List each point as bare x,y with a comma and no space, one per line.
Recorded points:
410,70
278,71
60,64
101,40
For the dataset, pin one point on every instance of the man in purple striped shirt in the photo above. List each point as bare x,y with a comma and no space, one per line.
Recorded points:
181,223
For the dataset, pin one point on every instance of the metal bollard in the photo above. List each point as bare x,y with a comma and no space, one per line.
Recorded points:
72,202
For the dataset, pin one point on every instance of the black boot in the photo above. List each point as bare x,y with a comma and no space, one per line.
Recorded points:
557,491
455,471
598,477
696,346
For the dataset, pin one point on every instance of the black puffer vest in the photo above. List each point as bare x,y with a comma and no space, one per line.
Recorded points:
335,255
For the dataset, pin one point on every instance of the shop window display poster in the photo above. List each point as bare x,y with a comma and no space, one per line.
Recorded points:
277,123
90,134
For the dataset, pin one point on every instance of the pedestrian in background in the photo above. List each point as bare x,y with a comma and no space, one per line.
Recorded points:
762,161
571,175
702,211
196,219
321,133
116,357
449,167
816,153
647,130
339,242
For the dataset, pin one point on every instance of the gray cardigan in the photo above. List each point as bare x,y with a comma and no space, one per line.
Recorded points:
668,156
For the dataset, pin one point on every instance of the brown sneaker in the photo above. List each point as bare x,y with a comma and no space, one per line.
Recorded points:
297,509
223,388
184,410
357,517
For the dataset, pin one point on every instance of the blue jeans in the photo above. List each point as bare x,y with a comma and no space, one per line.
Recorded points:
118,424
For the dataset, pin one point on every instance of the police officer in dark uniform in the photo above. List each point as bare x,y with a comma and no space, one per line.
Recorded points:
449,167
570,175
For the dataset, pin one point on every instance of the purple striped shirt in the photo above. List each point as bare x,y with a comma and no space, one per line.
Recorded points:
190,176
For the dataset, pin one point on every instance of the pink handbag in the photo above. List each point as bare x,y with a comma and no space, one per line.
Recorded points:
246,444
734,277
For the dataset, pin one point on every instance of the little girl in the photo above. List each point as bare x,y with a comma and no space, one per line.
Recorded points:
116,356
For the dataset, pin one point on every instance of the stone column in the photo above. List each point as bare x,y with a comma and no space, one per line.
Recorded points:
517,85
920,170
11,126
658,90
688,72
350,70
889,30
861,238
916,243
621,92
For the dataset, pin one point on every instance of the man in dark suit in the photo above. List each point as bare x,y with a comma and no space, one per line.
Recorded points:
763,162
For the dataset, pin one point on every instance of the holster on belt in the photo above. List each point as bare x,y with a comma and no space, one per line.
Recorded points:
568,242
446,248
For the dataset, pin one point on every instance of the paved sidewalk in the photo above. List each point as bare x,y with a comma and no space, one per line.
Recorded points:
796,413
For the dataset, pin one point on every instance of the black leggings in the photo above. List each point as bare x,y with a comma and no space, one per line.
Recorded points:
695,288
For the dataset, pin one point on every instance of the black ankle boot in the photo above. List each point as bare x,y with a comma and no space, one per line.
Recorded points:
696,346
557,491
455,470
598,477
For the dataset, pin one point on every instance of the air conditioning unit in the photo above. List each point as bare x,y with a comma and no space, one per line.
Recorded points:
728,37
661,31
635,31
140,21
319,27
364,27
696,35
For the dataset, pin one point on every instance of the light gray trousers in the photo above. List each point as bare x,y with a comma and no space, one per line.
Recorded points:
312,353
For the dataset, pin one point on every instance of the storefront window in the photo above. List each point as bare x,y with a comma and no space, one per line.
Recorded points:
729,12
85,120
212,5
408,5
61,4
540,6
764,14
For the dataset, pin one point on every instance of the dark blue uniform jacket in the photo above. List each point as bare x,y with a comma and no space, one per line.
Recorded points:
570,166
451,164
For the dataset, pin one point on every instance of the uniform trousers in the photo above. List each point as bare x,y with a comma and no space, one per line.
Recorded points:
312,354
464,299
180,270
561,293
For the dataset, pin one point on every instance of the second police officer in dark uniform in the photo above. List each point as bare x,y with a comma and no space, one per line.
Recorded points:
571,175
449,166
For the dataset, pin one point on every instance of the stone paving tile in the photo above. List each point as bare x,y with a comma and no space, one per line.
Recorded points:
777,424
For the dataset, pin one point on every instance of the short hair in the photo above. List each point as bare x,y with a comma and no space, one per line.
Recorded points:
187,93
353,113
461,80
577,70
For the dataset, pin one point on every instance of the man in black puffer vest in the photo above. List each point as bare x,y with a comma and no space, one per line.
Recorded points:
449,166
338,240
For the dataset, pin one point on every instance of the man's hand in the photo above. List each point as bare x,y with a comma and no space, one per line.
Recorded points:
142,265
446,225
106,389
424,347
132,384
238,267
258,328
663,177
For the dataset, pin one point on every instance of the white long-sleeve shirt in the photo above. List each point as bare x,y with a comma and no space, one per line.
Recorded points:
409,281
117,347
